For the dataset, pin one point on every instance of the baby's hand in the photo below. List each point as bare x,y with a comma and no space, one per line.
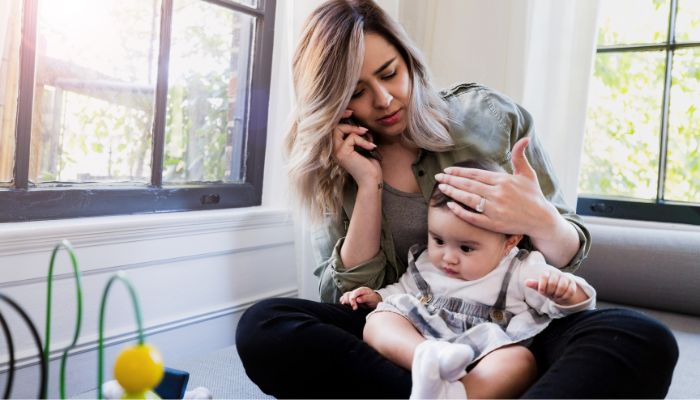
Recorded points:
362,296
559,287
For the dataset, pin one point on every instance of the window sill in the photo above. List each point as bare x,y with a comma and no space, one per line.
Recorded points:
588,219
23,237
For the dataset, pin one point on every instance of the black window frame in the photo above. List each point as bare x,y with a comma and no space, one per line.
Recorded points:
659,210
25,201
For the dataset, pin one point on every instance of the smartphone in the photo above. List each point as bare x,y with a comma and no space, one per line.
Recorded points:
364,152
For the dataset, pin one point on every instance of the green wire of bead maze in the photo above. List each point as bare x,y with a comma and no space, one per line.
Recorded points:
137,311
79,292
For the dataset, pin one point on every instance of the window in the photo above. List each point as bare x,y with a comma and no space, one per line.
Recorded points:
132,106
641,155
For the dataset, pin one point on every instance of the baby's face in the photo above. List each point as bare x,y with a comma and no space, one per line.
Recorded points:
460,249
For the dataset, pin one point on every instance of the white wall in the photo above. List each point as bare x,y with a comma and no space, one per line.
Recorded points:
469,40
4,19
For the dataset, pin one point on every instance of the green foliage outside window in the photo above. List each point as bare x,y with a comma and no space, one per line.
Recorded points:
621,154
100,130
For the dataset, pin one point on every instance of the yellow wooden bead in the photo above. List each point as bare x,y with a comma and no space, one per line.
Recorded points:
139,368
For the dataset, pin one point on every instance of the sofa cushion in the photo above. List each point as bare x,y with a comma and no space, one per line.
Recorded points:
645,266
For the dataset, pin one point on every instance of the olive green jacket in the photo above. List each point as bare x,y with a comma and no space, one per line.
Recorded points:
484,124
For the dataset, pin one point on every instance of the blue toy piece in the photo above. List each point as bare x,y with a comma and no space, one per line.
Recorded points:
173,384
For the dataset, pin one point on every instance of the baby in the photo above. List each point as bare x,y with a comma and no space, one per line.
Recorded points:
474,296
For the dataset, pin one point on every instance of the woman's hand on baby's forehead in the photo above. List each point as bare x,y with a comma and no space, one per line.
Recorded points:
511,204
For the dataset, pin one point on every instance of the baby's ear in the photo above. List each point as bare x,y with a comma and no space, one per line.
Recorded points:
512,241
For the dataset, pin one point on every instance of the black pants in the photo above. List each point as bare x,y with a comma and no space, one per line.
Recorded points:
294,348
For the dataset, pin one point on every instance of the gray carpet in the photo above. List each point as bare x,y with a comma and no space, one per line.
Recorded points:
222,373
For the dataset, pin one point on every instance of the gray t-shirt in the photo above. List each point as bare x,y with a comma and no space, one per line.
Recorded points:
407,214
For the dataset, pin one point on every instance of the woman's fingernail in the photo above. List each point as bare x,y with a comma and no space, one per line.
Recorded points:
442,187
363,129
439,176
447,170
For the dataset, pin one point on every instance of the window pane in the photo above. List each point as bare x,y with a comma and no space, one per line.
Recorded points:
633,22
683,165
94,95
621,146
208,93
688,21
9,80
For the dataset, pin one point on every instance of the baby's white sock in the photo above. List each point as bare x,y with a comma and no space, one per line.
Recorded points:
453,390
427,370
453,360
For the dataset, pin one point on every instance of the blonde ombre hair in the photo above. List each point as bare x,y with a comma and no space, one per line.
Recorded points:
326,68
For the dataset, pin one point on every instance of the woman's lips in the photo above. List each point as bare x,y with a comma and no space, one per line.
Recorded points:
390,119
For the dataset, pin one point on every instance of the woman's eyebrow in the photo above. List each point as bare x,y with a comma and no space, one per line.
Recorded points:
386,64
380,69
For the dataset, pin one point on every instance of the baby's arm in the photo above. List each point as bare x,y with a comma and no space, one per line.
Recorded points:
363,296
559,287
369,298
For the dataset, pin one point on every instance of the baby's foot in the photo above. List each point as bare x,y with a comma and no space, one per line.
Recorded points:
436,370
425,373
453,390
453,360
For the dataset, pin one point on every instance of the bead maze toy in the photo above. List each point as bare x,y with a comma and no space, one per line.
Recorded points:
138,369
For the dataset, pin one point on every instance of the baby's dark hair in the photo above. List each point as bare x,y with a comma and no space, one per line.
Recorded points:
439,199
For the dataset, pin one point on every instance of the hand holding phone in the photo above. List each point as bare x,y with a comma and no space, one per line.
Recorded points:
351,150
364,152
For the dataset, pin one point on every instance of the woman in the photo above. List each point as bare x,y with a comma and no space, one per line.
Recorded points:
355,62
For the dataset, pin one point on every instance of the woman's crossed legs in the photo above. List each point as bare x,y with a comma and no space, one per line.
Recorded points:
299,348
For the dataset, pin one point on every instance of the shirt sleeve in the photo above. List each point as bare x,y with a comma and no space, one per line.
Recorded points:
403,286
335,278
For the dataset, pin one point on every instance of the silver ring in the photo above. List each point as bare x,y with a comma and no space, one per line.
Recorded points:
480,207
